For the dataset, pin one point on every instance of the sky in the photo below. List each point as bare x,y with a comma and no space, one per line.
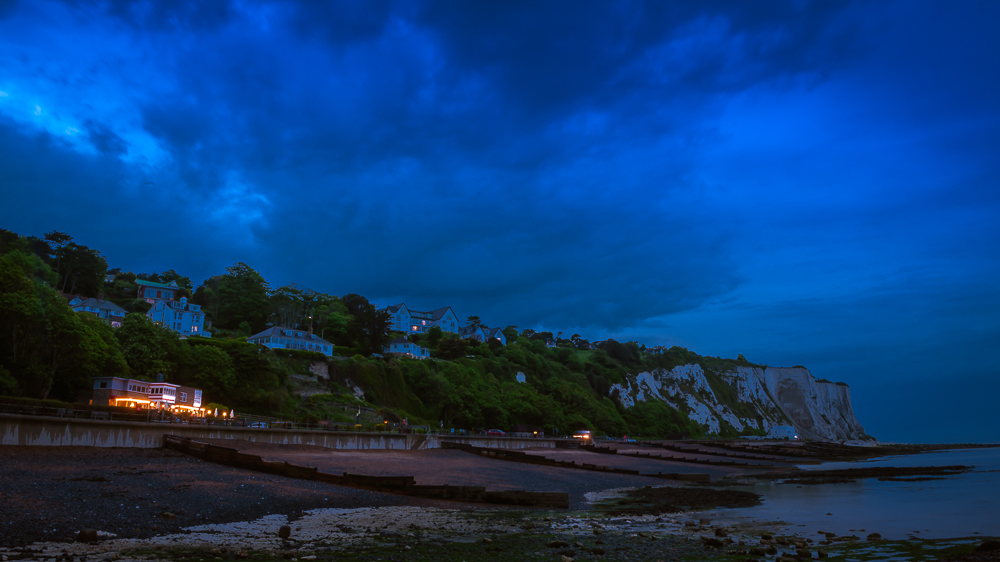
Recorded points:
805,183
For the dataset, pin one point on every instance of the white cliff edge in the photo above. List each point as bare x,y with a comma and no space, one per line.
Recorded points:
757,398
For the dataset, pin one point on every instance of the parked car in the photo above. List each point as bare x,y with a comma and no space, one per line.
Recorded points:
495,433
257,424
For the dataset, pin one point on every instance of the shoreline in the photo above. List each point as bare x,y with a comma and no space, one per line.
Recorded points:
395,526
416,533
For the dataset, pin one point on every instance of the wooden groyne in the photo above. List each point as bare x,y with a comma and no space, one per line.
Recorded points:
518,456
403,485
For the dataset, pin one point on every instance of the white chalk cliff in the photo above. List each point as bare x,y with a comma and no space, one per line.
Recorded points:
749,397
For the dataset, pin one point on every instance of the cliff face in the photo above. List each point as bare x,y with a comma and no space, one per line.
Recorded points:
749,398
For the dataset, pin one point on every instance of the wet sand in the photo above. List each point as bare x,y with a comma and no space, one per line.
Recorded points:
50,493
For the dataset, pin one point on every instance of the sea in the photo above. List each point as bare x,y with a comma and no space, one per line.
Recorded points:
960,505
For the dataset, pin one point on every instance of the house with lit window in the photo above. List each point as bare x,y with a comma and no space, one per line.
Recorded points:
280,337
179,316
143,395
474,331
150,291
105,310
482,333
407,320
497,334
402,347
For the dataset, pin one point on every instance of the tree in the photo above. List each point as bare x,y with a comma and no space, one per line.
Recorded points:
370,329
59,240
510,332
474,321
45,347
527,332
243,298
92,352
355,303
329,315
287,306
141,345
207,296
542,336
434,336
10,241
452,348
85,270
214,370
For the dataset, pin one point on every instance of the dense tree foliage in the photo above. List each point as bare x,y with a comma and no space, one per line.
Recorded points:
369,328
243,297
47,349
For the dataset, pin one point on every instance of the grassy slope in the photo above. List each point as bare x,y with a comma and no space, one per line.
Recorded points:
565,390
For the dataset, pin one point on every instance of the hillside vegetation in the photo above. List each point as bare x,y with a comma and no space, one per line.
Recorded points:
47,351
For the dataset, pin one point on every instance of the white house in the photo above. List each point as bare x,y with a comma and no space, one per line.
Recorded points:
180,316
482,333
106,310
474,331
406,320
280,337
497,334
402,347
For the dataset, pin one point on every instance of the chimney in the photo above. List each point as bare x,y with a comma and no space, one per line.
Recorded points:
184,300
159,377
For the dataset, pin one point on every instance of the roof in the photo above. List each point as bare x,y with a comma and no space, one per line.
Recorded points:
399,340
96,303
437,314
171,285
495,331
472,329
281,333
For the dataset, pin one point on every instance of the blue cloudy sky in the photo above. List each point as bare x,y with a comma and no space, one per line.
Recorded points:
811,183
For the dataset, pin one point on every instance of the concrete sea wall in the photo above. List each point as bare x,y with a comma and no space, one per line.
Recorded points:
51,431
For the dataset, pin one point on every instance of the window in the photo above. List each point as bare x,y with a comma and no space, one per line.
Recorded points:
158,294
184,397
104,385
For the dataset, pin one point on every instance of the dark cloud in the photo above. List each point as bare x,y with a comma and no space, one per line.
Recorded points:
165,14
7,6
344,22
105,140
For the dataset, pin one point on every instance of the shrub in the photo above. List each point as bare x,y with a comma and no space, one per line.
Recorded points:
300,354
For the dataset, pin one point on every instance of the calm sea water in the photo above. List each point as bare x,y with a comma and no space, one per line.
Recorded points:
956,506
